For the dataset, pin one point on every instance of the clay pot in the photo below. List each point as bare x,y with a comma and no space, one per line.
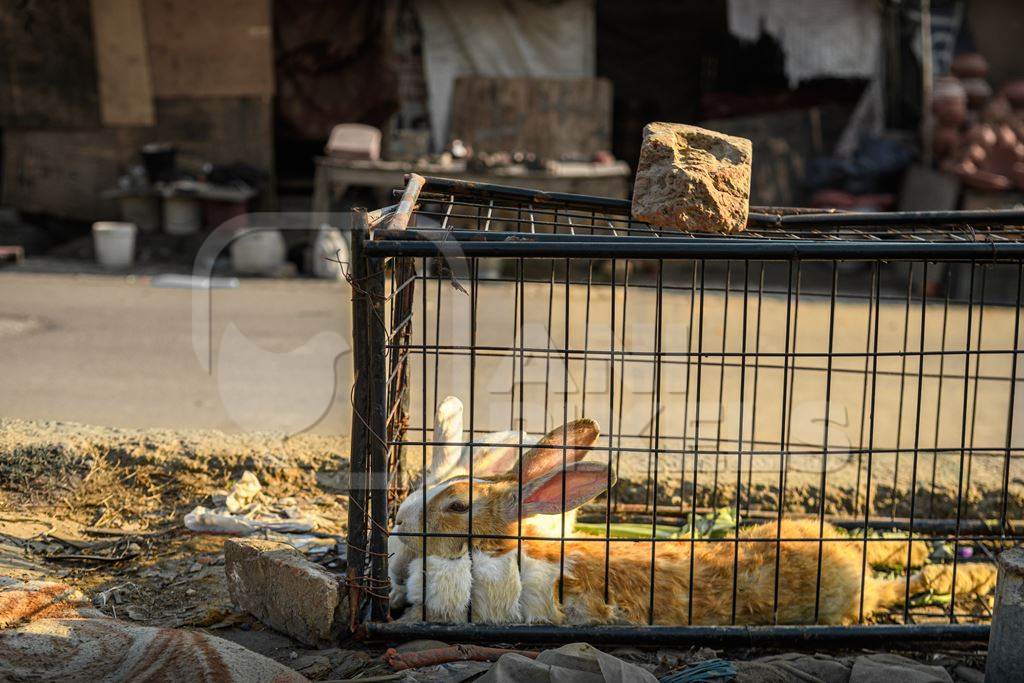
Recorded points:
1006,137
950,113
1017,175
976,153
986,180
969,65
1014,92
983,134
998,109
1005,153
978,91
962,167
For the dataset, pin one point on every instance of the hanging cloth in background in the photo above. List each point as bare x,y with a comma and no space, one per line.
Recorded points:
819,38
510,38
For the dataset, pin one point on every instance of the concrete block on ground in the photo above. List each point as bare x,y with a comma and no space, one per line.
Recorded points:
690,178
276,584
1005,654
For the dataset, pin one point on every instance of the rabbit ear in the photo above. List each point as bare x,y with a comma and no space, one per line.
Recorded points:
499,455
578,436
447,450
581,482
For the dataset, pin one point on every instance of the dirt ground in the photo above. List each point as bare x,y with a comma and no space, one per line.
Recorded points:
102,509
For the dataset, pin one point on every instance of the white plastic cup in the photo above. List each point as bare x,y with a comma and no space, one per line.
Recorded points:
182,215
114,243
257,252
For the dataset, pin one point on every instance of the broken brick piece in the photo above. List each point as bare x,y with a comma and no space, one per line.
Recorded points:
690,178
276,584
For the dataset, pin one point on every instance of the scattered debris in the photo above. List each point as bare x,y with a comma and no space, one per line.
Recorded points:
245,510
314,667
71,489
454,653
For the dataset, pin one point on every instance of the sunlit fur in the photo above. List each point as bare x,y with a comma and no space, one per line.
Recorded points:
733,581
450,459
497,461
839,600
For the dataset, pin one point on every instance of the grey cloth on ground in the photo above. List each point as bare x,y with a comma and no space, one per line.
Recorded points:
873,668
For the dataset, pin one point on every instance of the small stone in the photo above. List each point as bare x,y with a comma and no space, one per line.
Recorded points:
276,584
629,653
690,178
313,667
136,613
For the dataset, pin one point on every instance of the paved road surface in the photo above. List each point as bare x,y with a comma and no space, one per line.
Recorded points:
116,351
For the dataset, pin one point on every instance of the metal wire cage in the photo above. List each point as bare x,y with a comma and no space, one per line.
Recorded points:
855,372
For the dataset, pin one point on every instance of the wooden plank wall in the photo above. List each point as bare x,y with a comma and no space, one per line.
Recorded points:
551,117
75,111
47,69
122,60
200,48
61,172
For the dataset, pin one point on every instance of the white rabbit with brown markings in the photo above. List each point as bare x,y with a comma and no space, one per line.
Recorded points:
450,460
488,572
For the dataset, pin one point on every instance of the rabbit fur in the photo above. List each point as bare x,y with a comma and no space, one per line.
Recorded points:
450,459
503,580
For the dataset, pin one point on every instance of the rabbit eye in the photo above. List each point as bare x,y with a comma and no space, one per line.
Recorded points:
457,506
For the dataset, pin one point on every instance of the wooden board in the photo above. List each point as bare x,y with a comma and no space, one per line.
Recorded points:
47,64
199,48
551,117
125,90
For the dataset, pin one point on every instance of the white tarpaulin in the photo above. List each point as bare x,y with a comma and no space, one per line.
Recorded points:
509,38
819,38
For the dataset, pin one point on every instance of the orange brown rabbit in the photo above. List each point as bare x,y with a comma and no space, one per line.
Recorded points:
503,590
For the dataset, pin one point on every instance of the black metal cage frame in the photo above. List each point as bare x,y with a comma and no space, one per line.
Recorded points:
907,271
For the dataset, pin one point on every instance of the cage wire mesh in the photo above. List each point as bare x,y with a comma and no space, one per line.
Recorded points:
793,419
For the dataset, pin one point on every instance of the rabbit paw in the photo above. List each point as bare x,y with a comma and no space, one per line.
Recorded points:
398,596
496,588
448,585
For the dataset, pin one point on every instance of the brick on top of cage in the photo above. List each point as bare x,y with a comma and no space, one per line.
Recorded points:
691,178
